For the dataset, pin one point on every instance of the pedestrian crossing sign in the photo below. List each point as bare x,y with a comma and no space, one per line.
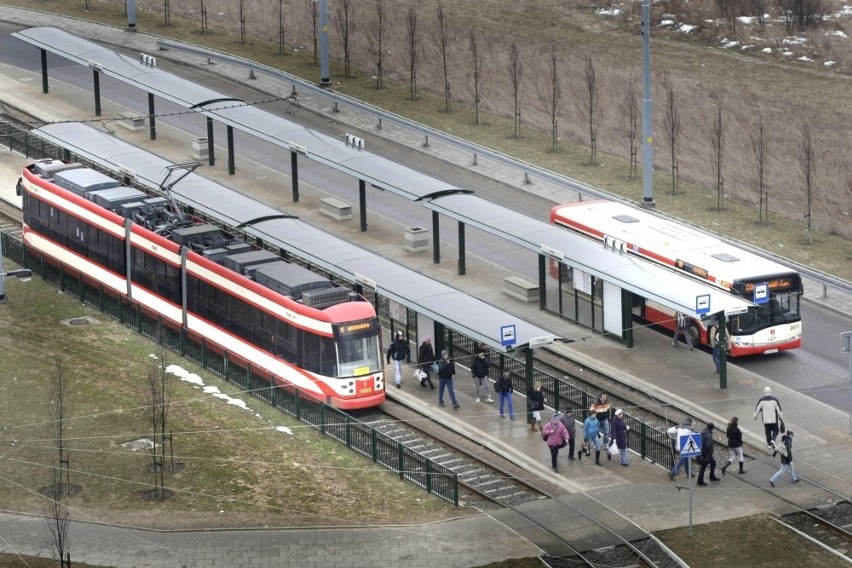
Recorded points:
690,445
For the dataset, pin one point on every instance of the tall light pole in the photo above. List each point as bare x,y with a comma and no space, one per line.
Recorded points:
647,126
846,338
325,78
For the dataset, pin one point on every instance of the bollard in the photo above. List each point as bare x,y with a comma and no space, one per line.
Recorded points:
426,142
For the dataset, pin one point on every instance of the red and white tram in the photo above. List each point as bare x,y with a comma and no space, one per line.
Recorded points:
299,328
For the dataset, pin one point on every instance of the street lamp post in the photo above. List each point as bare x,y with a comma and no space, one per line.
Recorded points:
846,338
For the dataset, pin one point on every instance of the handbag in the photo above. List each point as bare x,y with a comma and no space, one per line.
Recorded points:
781,426
613,449
434,368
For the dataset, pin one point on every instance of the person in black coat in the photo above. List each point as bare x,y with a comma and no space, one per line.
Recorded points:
503,386
446,373
735,444
706,458
535,400
425,359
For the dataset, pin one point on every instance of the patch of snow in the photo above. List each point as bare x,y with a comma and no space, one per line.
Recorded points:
284,430
766,50
184,375
794,40
665,23
686,28
747,20
787,53
805,58
838,33
614,11
830,63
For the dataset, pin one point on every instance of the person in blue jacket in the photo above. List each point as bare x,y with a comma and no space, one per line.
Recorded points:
591,432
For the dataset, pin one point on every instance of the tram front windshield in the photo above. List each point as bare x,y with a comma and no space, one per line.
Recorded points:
358,349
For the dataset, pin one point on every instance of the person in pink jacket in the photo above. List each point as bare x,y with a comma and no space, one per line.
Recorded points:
556,436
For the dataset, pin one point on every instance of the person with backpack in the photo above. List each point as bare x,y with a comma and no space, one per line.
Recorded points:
556,436
681,326
785,449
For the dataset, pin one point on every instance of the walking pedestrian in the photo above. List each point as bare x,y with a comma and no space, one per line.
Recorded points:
591,433
706,458
446,372
479,370
619,432
535,401
681,327
785,448
735,444
504,389
399,353
425,359
567,418
556,436
675,432
603,409
769,409
717,340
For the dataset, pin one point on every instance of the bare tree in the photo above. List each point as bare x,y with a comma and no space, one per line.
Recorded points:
413,51
60,412
728,12
312,12
807,167
717,138
516,73
760,149
242,23
203,12
802,13
476,57
345,26
549,91
160,395
57,521
443,41
671,130
588,106
280,27
631,124
375,39
759,9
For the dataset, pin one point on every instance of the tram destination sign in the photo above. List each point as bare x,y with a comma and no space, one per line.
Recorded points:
541,341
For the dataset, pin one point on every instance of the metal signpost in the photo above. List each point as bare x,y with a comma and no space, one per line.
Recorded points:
690,446
20,273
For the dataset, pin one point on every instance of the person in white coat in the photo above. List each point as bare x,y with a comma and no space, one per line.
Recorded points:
769,409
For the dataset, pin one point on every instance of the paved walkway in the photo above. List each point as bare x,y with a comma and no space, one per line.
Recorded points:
642,492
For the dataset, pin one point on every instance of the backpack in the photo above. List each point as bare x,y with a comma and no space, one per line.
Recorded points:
546,431
681,320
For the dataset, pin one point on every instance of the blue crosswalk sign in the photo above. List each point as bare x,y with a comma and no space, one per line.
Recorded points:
690,445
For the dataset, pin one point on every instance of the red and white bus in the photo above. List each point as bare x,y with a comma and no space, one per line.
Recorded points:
774,324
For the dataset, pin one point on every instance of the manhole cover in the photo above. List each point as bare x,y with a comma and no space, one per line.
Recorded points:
80,321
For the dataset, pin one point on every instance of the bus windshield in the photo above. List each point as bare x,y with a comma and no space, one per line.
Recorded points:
358,353
781,308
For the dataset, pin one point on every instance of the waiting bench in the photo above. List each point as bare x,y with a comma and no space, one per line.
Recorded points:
335,208
131,120
520,288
